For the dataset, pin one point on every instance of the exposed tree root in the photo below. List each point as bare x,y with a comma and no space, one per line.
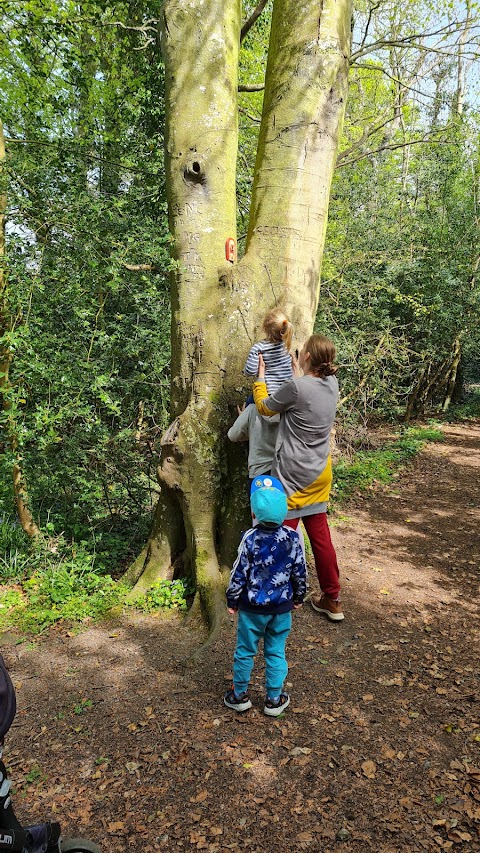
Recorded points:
154,568
212,610
165,542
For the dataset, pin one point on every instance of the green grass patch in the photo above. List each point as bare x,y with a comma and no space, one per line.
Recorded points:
82,706
60,590
379,466
165,594
46,582
339,519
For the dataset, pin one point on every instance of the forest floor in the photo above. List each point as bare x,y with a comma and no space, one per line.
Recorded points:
379,749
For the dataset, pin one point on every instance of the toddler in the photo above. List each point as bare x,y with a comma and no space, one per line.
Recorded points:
274,349
268,581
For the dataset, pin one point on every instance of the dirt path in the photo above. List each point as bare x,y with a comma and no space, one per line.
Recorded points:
379,750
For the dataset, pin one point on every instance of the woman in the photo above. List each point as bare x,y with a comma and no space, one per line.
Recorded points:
302,460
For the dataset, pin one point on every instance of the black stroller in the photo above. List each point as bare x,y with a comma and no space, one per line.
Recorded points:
43,837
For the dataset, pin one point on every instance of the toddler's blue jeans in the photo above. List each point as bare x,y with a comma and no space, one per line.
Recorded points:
251,627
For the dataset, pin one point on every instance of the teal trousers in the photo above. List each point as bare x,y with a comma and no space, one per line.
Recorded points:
251,627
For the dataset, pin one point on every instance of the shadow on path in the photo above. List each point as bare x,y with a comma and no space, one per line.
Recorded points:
377,751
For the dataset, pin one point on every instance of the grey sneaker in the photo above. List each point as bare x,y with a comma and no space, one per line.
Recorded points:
237,703
274,709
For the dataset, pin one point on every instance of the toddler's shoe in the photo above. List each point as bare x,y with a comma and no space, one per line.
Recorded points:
274,708
237,703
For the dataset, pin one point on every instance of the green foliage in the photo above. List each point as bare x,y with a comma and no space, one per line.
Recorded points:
53,585
400,291
34,775
82,706
48,581
88,258
379,466
165,594
13,559
468,409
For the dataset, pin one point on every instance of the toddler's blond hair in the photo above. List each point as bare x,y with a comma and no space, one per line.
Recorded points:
277,327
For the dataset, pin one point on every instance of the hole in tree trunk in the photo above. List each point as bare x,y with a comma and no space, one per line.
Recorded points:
194,173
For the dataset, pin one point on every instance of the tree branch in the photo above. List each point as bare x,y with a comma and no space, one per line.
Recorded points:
255,119
367,133
87,154
140,267
402,83
411,44
367,26
394,146
251,20
251,87
149,33
410,41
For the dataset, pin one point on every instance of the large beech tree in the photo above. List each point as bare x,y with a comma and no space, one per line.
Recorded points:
217,306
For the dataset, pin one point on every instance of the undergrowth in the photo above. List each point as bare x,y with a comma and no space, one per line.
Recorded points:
48,581
468,409
165,594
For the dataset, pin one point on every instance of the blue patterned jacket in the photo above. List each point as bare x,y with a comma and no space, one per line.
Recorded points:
269,574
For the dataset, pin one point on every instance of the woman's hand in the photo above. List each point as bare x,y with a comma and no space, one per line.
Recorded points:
261,368
296,369
231,611
241,409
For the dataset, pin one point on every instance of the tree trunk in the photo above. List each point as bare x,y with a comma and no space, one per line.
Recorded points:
435,381
217,307
452,378
414,395
19,489
305,95
201,44
460,93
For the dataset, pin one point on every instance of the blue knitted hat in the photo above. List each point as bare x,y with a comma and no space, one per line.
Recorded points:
268,500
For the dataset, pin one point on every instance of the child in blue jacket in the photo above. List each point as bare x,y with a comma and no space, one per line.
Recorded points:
267,582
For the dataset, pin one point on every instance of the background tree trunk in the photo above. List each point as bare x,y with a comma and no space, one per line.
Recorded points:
452,377
19,489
